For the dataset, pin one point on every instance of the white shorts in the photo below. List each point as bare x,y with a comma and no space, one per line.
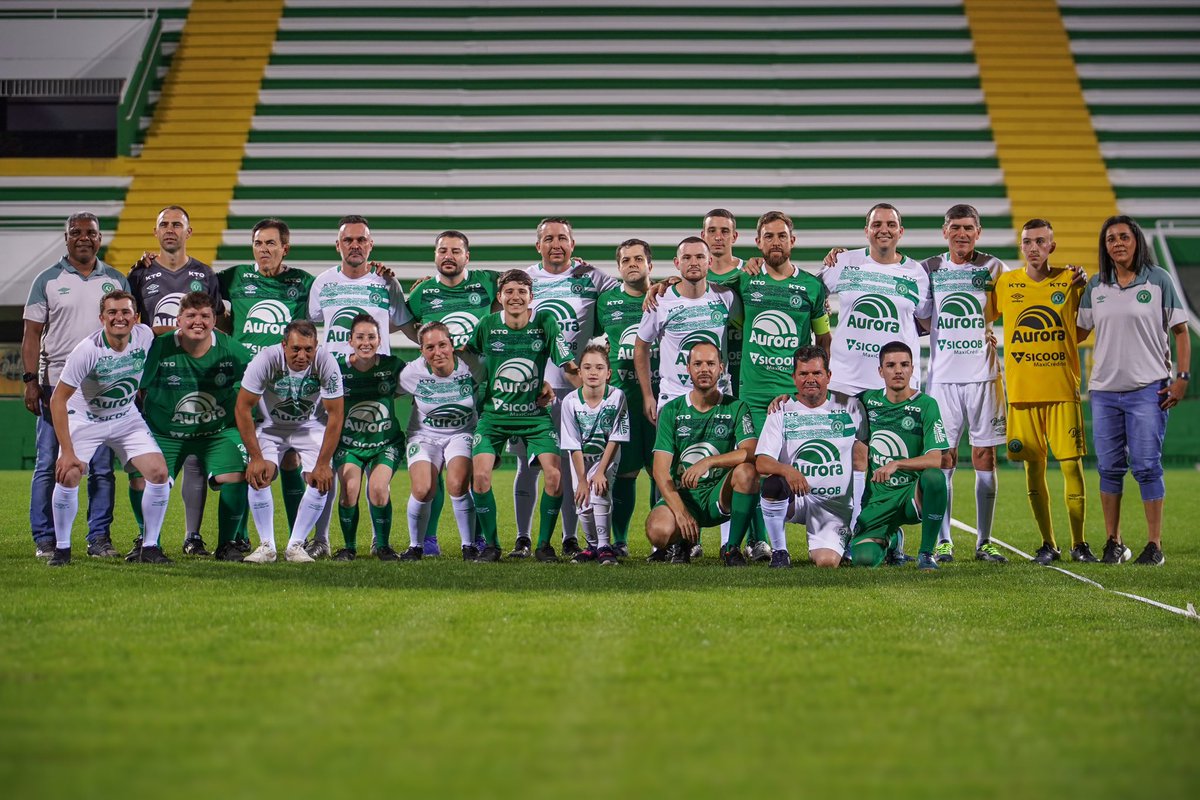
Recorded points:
592,463
305,440
824,521
978,408
438,450
128,436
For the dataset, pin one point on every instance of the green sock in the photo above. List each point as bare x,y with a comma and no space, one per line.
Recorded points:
381,522
230,511
348,519
292,482
741,517
758,527
548,514
485,515
242,534
135,501
933,507
624,496
435,509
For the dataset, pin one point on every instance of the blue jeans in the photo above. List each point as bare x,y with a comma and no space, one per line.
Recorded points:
100,484
1128,429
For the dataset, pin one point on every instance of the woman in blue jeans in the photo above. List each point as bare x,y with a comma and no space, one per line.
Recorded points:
1132,306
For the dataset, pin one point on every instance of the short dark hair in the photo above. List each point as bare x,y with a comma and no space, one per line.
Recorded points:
894,347
1142,257
559,220
433,327
118,294
78,215
180,209
773,216
634,243
810,352
453,235
887,206
364,317
721,212
599,348
285,233
720,356
300,327
514,276
197,300
353,219
690,240
961,211
1038,222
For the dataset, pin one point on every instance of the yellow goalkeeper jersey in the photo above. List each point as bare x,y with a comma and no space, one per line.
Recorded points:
1041,354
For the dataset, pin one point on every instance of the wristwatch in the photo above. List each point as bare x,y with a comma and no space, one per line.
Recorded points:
28,377
1183,376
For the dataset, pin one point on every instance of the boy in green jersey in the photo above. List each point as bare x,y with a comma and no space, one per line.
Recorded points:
191,386
515,346
906,447
703,464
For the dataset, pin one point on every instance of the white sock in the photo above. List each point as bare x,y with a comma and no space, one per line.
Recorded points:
464,515
418,520
524,492
858,480
312,504
64,507
569,515
262,511
154,510
985,504
587,521
775,516
322,532
944,533
724,533
194,492
601,509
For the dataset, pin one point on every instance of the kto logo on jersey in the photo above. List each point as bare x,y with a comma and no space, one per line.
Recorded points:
197,408
448,416
461,325
873,312
119,395
368,417
563,313
885,448
517,375
819,459
694,454
267,316
960,311
166,311
338,329
775,329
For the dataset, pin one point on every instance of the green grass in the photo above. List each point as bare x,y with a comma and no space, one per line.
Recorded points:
445,679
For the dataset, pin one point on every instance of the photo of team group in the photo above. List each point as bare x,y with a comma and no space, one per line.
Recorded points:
756,394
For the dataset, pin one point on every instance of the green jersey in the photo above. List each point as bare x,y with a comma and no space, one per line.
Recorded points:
780,317
459,307
514,363
370,397
618,315
690,435
191,398
733,355
263,305
907,429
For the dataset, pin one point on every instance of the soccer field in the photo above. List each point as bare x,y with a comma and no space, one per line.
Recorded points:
442,679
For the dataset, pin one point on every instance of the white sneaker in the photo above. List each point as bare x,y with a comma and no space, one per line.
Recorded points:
697,552
761,551
263,555
295,552
317,549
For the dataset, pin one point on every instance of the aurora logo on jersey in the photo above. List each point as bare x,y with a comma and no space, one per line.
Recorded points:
887,447
461,325
873,312
516,375
690,341
819,459
368,417
563,313
448,416
775,329
267,316
292,410
627,343
118,395
338,329
693,455
960,311
197,408
166,310
1038,325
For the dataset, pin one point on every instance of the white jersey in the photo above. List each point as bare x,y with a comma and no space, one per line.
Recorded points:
958,337
678,323
441,406
880,303
588,429
107,381
817,441
335,300
288,399
571,297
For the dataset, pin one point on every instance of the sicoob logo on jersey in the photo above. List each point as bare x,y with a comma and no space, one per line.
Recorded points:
873,312
1038,325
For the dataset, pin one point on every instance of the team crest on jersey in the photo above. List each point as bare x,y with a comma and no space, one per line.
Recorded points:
196,286
108,287
220,379
537,345
908,423
475,298
1015,446
720,430
1143,296
413,450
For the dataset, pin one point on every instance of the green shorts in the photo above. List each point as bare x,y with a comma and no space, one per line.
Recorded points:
886,508
537,432
368,460
220,453
638,453
704,504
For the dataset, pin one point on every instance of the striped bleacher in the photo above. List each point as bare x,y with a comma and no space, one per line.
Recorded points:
630,120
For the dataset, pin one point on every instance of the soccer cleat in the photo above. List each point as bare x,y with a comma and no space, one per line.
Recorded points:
521,549
621,550
60,558
1152,556
103,548
926,562
989,552
429,547
261,555
759,551
317,549
414,553
386,553
193,545
696,552
1083,552
658,554
1045,554
294,553
679,553
897,558
241,545
345,554
944,552
585,556
480,543
132,555
152,555
470,552
570,547
1115,552
606,557
44,549
732,557
780,559
488,555
545,554
229,552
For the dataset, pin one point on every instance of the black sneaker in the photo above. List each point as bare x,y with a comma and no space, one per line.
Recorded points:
470,552
733,557
193,545
679,553
1045,554
606,557
413,554
1115,552
488,555
585,556
43,549
544,554
242,545
897,558
345,554
132,555
621,550
60,558
152,555
1152,556
521,549
1083,552
103,548
570,547
659,555
386,553
228,552
780,559
989,552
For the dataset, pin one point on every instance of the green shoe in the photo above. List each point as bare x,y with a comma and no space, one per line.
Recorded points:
944,552
989,552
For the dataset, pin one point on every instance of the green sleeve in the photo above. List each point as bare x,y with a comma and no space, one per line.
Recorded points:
152,359
560,354
931,423
225,279
476,343
664,439
743,422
